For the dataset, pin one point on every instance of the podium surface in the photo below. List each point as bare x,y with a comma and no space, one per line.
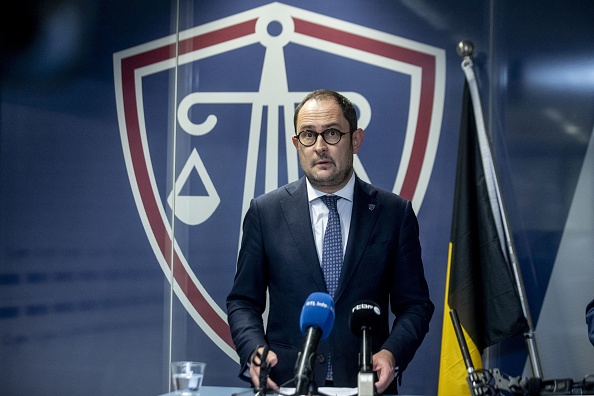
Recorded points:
228,391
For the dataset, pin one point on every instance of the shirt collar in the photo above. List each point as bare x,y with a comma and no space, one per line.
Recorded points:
346,192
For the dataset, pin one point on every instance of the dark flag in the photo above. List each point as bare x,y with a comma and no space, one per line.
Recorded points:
479,285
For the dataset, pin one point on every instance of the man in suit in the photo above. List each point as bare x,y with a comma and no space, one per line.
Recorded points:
281,255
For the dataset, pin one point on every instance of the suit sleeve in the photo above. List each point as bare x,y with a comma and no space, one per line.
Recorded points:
247,300
409,296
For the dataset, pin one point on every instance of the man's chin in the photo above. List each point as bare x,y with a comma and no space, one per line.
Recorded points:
322,182
323,177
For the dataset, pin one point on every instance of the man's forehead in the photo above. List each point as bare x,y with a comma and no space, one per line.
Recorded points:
326,101
316,111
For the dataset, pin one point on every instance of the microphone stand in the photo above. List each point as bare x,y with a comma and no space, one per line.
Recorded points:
365,381
304,384
265,367
262,388
476,383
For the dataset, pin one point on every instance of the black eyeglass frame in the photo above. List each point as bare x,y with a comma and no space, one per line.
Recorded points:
323,133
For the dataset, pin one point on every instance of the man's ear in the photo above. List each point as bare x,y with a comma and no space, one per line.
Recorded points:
295,141
358,136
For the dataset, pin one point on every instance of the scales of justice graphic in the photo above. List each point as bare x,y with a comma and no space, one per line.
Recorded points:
425,66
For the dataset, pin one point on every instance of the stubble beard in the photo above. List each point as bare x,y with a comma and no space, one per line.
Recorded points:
334,179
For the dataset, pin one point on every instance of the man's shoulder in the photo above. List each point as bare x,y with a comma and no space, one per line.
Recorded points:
380,193
282,192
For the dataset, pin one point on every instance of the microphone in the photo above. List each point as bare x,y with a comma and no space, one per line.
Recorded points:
364,320
317,319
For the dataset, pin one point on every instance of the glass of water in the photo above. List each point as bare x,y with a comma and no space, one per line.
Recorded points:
187,377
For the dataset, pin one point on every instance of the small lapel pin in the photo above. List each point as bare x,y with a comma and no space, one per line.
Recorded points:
371,206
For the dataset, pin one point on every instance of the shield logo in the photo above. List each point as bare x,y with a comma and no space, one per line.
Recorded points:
260,63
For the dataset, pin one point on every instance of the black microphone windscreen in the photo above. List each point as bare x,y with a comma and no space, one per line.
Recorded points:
365,314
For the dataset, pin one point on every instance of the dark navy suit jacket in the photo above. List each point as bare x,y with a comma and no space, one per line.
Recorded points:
382,263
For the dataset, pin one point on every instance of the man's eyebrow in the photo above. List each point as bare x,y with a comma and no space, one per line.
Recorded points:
309,127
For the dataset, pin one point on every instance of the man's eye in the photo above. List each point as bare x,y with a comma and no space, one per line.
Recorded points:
331,132
308,134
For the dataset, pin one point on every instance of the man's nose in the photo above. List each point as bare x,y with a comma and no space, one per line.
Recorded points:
320,144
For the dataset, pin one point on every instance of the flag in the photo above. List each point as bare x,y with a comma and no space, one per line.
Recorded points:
479,281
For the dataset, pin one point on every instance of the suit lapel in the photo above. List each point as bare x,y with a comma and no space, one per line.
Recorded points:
365,213
296,211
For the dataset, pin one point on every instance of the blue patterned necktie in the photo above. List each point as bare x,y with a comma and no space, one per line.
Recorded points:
332,254
332,247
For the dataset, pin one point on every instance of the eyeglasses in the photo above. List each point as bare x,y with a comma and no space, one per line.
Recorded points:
309,138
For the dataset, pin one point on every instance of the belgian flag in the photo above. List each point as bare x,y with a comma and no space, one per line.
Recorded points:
479,282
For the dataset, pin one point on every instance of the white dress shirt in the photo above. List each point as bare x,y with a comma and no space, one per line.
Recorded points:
319,213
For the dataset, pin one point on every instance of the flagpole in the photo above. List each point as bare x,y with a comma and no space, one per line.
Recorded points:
465,50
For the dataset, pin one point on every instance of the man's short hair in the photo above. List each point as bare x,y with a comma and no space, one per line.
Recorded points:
348,110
